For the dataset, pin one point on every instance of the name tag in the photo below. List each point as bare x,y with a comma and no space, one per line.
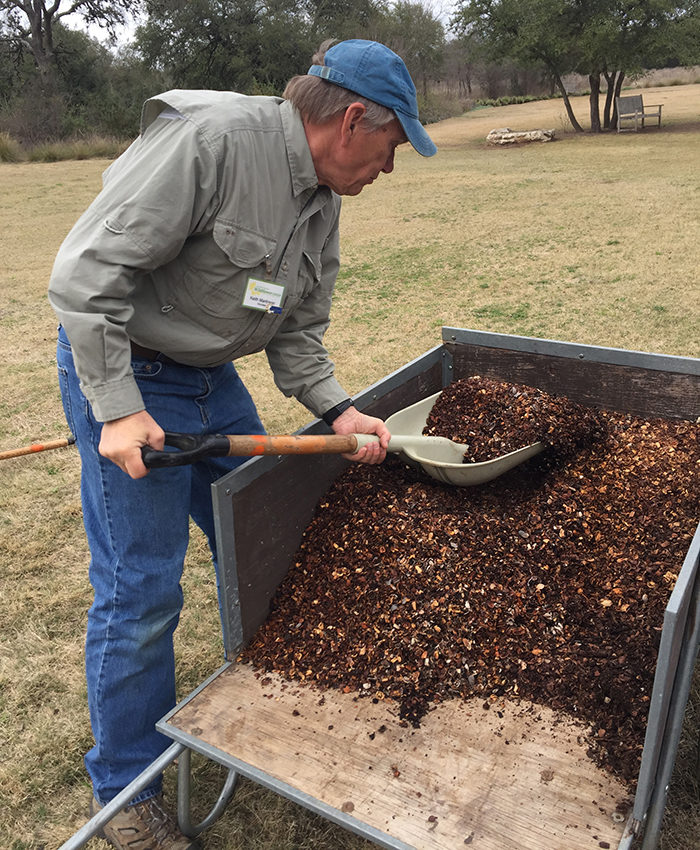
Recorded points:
263,295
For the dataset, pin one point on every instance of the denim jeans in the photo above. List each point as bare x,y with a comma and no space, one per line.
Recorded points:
138,533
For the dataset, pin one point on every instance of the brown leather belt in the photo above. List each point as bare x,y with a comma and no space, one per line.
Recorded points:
150,354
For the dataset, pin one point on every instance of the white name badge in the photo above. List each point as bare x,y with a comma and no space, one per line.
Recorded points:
263,295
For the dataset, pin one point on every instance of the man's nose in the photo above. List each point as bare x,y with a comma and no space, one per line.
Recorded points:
389,164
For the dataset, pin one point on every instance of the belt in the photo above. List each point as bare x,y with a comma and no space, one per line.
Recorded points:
150,354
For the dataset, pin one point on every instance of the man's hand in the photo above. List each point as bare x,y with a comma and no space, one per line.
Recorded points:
122,439
351,421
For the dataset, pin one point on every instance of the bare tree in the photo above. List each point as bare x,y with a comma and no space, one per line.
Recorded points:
28,25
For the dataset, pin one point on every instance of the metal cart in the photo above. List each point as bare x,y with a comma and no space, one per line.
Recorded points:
512,781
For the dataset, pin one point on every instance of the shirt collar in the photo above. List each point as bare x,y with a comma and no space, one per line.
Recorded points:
301,165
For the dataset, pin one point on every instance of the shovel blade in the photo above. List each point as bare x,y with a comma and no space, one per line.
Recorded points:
442,459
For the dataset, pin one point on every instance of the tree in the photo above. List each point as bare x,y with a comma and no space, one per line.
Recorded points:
413,32
342,19
225,44
618,39
599,38
534,33
28,25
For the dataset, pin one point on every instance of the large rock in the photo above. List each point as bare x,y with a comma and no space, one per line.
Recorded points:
506,136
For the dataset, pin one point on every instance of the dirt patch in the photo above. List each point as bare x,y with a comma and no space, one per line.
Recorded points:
547,584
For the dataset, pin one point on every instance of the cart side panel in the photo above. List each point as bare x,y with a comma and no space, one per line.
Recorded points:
643,384
678,623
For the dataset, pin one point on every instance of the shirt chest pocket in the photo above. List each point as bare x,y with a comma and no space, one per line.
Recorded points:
217,270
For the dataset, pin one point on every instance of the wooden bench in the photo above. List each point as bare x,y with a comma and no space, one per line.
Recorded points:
631,109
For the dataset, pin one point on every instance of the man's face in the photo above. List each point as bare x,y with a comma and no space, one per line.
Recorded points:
361,159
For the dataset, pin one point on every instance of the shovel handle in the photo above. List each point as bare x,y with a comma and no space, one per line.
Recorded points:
193,447
38,447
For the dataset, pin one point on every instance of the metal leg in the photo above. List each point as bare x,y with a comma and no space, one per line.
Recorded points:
183,797
95,824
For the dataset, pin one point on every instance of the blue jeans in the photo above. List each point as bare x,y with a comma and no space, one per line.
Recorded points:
138,533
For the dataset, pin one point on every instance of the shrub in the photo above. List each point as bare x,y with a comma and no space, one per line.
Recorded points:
10,149
509,100
438,105
92,147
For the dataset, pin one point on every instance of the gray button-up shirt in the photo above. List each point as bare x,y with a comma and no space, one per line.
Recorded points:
218,188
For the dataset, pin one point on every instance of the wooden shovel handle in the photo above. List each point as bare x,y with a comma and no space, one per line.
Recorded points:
193,447
37,447
287,444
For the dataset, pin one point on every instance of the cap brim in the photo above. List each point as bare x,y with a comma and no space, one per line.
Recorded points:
416,134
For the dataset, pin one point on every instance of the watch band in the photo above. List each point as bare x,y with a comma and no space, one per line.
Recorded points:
331,415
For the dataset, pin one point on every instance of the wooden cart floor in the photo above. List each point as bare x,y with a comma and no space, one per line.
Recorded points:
514,777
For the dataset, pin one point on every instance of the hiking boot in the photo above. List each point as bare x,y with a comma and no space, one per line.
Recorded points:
144,826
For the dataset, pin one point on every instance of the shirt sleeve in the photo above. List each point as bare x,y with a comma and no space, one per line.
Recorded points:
298,359
154,196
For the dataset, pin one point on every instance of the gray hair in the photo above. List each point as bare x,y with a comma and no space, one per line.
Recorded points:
318,101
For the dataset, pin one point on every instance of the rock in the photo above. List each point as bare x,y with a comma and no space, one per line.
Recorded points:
506,136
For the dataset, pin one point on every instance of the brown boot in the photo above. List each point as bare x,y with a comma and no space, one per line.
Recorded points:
144,826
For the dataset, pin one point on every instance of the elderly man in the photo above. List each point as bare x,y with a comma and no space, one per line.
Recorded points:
215,236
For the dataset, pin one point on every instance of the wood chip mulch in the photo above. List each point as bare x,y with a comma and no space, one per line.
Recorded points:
492,418
548,584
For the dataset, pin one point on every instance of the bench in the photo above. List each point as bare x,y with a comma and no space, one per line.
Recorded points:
631,109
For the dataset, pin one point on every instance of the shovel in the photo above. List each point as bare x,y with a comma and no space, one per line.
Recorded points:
439,457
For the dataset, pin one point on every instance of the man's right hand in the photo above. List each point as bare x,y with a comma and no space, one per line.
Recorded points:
122,439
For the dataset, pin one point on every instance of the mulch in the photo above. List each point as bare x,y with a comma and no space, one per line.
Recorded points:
548,584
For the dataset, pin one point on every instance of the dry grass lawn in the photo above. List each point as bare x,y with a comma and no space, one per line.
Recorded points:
587,239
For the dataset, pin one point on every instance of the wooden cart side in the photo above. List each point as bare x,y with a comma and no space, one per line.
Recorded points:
640,383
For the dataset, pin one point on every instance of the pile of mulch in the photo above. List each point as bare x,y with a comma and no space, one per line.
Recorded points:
492,418
547,584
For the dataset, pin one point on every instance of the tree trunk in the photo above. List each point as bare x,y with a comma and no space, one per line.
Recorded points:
41,41
594,80
610,77
616,93
567,103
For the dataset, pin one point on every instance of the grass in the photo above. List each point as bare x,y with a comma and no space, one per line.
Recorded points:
587,239
10,150
89,147
93,147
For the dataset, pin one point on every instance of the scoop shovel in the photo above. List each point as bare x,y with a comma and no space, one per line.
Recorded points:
439,457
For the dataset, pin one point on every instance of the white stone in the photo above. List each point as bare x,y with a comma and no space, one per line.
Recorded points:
506,136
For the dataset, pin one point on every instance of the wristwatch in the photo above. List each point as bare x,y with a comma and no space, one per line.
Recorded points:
331,415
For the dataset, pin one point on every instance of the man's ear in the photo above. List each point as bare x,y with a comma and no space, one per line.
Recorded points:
352,117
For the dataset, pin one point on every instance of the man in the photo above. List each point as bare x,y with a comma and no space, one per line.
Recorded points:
215,235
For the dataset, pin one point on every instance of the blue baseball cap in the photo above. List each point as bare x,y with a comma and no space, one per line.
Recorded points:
372,70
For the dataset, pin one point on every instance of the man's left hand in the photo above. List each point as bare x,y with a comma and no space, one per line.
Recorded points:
352,421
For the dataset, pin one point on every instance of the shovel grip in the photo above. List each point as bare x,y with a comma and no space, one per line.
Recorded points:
193,447
190,449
